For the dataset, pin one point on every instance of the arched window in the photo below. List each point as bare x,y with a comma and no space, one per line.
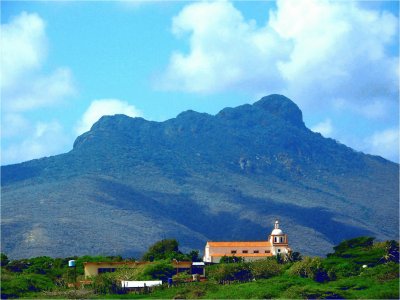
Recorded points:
281,239
275,239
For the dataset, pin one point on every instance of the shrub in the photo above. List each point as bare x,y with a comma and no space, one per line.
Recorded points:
107,284
194,255
391,251
230,259
161,270
360,242
40,265
292,257
164,249
4,260
265,268
17,266
230,272
130,273
351,255
182,277
22,284
310,268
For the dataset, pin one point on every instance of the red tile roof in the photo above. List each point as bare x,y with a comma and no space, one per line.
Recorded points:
240,244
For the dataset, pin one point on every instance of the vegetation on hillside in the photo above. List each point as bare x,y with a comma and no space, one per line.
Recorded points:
358,268
169,249
198,177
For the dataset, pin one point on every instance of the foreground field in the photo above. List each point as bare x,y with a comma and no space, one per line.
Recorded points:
358,269
375,283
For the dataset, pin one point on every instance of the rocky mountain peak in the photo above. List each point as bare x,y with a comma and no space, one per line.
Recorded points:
282,107
197,177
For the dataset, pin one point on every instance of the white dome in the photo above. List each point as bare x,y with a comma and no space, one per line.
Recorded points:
277,231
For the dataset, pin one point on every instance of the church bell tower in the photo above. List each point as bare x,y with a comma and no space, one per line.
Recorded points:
278,240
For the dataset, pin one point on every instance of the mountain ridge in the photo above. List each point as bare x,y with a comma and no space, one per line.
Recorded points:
198,177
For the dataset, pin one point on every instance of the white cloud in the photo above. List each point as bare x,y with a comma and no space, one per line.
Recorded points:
42,91
13,125
325,128
339,52
225,51
312,51
44,139
102,107
23,43
23,84
384,143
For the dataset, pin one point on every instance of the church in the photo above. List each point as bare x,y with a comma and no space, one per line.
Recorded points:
277,243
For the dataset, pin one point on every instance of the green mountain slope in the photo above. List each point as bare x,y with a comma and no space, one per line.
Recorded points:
128,182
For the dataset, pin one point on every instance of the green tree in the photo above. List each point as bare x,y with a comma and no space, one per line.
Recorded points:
194,255
279,258
164,249
40,265
310,268
107,283
360,242
292,257
22,284
4,260
17,266
391,251
161,270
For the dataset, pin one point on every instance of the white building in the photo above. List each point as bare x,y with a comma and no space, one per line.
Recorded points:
277,243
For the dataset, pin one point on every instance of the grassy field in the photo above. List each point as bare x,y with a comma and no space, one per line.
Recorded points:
381,282
358,269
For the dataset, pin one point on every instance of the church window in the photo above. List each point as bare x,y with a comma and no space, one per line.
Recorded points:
281,239
275,239
279,250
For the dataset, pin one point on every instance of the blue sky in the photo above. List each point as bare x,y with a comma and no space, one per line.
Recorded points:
64,64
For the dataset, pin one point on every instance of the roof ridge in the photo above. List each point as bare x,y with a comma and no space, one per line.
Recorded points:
237,241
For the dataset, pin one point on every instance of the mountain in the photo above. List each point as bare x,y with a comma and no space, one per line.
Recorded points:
129,182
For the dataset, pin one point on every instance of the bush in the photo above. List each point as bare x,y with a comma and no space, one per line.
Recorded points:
17,266
107,284
265,268
230,272
391,251
360,242
22,284
194,255
182,277
292,257
342,269
40,265
4,260
310,292
161,270
164,249
310,268
130,272
230,259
